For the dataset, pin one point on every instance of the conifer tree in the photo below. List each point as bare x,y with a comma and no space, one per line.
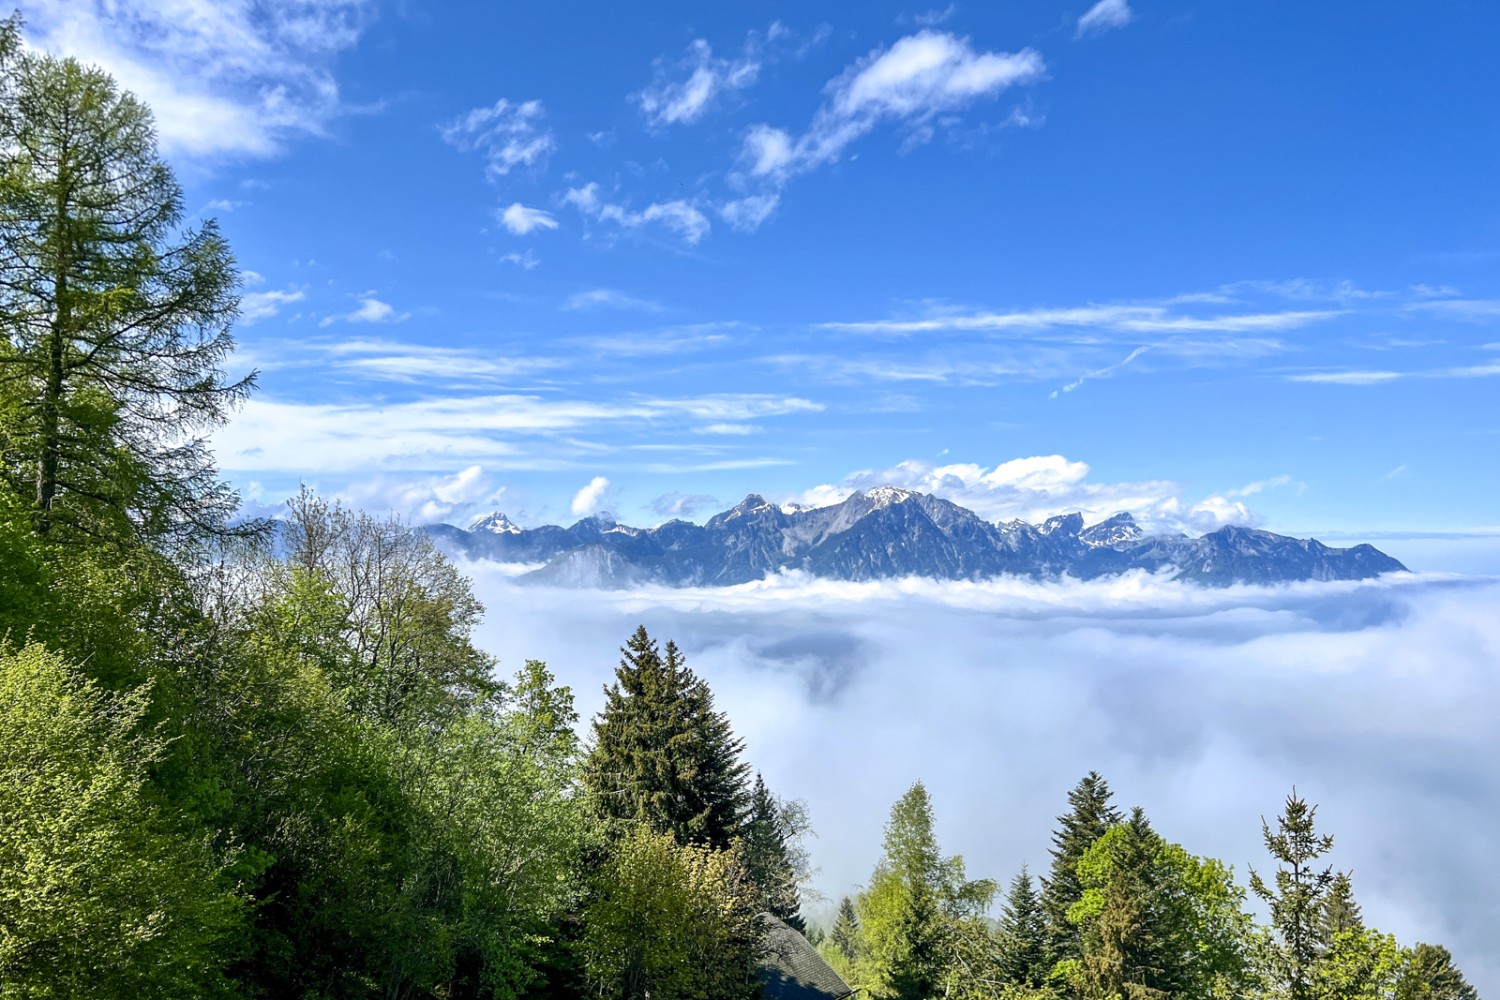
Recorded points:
844,938
114,319
1023,934
1298,899
767,855
1089,816
1431,975
662,756
1340,911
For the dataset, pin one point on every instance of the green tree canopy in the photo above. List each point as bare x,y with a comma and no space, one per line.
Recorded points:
102,892
1089,816
662,755
114,319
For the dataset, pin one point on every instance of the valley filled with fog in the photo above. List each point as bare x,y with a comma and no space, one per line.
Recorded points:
1204,706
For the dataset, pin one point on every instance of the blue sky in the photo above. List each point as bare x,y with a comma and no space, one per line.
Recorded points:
1206,261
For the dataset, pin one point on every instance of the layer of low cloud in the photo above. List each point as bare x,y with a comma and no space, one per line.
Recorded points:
224,78
1203,706
1037,487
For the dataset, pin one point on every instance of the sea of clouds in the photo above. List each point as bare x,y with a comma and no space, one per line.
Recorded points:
1377,700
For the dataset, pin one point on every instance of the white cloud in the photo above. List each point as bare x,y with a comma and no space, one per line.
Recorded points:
425,499
1377,377
509,134
1204,706
679,216
1104,372
609,298
729,430
370,310
1035,488
489,429
684,101
1104,16
749,213
224,78
526,261
1121,318
587,500
918,78
521,220
263,305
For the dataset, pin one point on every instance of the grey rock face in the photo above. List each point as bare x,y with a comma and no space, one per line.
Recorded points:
890,532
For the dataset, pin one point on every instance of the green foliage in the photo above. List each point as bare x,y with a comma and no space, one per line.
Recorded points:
101,895
1022,935
114,321
920,911
774,860
1089,815
1429,974
1297,901
662,756
672,921
1155,920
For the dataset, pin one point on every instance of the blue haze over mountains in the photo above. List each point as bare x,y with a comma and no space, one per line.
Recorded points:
890,532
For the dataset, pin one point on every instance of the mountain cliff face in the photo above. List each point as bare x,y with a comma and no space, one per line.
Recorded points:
890,532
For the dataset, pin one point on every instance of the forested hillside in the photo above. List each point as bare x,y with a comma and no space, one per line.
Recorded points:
231,768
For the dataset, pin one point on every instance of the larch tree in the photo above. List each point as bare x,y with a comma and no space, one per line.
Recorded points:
114,317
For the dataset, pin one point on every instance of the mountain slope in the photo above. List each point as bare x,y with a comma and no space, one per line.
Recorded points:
890,532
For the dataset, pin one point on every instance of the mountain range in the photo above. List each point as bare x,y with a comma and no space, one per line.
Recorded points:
890,532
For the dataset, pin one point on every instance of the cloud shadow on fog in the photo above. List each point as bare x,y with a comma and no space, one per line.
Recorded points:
1203,706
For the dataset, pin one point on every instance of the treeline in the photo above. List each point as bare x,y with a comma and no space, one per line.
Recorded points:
1122,914
269,761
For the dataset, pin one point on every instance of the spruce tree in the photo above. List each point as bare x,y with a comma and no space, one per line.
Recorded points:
845,934
1089,816
1298,898
1431,975
767,855
662,756
1340,911
1023,934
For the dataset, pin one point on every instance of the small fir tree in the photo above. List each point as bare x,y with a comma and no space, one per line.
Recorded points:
1089,816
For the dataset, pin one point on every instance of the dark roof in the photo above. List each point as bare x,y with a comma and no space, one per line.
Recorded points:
792,969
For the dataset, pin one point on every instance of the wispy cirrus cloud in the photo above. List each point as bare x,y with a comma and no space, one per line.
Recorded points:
1119,318
677,216
508,134
370,310
521,219
610,298
225,79
684,91
376,433
256,306
1106,15
918,78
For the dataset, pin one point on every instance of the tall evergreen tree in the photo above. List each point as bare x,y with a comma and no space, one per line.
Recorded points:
1023,934
662,756
1090,815
767,855
114,319
844,938
1340,911
1297,901
1430,974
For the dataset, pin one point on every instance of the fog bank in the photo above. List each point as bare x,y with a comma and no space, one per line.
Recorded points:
1376,699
